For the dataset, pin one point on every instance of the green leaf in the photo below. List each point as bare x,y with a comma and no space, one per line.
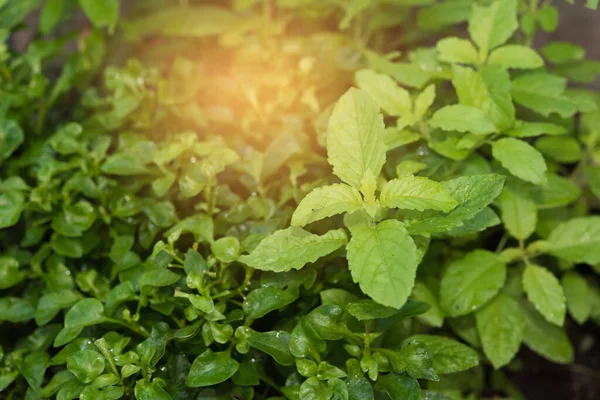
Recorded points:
546,339
424,101
75,219
470,282
529,129
416,193
14,309
491,26
392,99
562,52
145,390
466,328
516,56
367,309
262,301
226,249
434,316
51,14
449,356
275,344
355,138
547,16
520,159
473,194
415,359
395,137
246,375
50,304
557,192
157,277
11,137
488,90
359,387
399,386
101,13
211,368
314,389
305,341
292,248
200,225
442,15
543,93
578,295
519,213
383,261
33,368
480,222
462,119
10,274
86,365
577,240
176,21
545,292
501,326
338,297
326,201
12,205
455,50
562,149
84,313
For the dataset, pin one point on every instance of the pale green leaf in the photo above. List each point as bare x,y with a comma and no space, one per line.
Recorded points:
548,18
416,193
516,56
292,248
491,26
356,138
577,240
462,118
455,50
326,201
519,213
473,194
545,293
563,52
530,129
488,90
501,328
424,100
383,261
395,137
546,339
543,93
578,295
470,282
520,159
392,99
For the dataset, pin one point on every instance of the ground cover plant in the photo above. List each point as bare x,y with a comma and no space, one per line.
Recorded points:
299,199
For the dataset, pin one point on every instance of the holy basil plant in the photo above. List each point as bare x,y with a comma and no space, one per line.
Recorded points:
293,199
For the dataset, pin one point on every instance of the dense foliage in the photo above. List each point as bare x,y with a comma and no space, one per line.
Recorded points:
295,199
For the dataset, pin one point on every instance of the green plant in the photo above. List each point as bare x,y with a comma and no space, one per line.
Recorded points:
225,216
